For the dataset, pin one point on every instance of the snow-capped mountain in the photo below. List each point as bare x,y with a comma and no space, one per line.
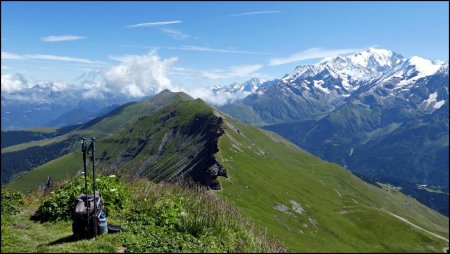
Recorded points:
249,86
238,91
403,76
342,75
381,75
346,73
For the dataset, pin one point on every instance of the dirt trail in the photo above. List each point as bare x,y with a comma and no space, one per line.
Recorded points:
412,224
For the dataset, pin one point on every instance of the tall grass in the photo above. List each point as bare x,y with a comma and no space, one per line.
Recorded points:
195,210
164,217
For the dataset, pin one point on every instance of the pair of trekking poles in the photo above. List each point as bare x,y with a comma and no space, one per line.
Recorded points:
86,150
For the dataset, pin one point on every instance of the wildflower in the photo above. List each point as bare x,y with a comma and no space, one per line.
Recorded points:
113,190
183,214
112,176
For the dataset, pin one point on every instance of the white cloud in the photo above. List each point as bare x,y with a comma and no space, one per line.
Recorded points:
208,95
232,72
132,76
220,97
238,71
253,13
159,23
59,38
313,53
13,82
13,56
137,76
217,50
59,86
174,33
244,70
61,58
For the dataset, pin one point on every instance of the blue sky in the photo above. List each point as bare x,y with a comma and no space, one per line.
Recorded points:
208,43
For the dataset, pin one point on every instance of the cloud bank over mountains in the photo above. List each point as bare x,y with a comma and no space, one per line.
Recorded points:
131,77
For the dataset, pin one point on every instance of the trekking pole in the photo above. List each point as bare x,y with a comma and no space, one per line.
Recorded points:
86,203
93,185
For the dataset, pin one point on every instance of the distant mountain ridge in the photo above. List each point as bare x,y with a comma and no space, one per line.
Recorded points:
316,89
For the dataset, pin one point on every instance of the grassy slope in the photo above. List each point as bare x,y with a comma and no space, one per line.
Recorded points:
205,224
120,118
28,236
42,129
41,142
152,128
100,128
64,167
340,211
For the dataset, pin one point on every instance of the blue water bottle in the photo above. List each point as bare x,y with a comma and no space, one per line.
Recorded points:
103,224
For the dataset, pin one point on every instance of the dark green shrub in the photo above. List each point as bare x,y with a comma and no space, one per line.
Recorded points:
11,201
58,205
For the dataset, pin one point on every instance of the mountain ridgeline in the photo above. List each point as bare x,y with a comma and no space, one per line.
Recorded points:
175,143
22,157
179,132
306,203
377,113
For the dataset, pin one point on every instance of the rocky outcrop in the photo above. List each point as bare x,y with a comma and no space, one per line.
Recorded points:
177,145
203,168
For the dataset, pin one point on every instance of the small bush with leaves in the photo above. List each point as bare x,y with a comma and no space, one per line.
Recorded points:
57,206
11,201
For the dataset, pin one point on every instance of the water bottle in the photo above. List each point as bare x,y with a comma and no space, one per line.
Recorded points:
103,224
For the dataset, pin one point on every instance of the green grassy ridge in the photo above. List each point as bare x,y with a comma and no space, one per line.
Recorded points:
173,218
18,140
10,138
42,129
42,142
122,117
99,128
340,212
161,146
59,169
343,209
148,132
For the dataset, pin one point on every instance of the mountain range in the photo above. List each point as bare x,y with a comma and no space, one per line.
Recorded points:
383,116
316,89
344,109
306,203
